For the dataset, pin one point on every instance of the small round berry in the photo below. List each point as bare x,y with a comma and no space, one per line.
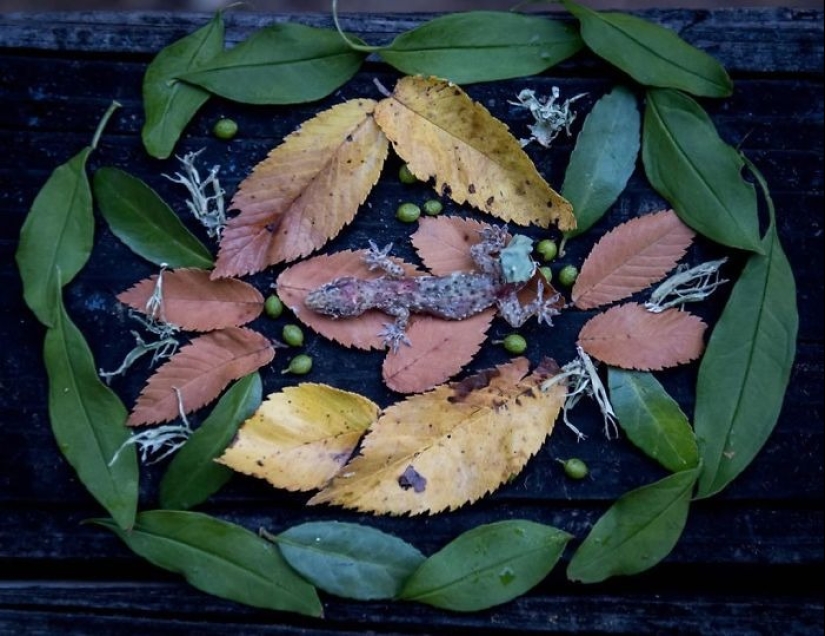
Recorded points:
273,307
292,335
405,175
568,275
225,129
575,468
515,344
547,273
433,207
547,249
408,213
299,365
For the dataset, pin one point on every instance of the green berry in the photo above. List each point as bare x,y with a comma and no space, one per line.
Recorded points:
292,335
547,273
547,249
515,344
225,129
408,213
299,365
432,207
406,176
574,468
273,307
568,275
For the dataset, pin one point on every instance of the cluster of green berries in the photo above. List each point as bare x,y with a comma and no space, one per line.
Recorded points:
547,249
409,212
291,335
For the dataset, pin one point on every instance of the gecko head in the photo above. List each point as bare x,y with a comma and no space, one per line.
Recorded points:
341,298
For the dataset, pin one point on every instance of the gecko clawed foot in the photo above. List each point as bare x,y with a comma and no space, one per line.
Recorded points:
394,336
546,309
378,258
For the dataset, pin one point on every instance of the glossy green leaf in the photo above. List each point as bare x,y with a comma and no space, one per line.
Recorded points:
281,64
88,419
143,221
649,53
636,532
193,475
219,558
603,159
487,566
652,420
169,104
57,235
482,46
349,560
699,174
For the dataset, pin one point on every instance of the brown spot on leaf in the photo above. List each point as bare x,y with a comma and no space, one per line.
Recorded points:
473,383
471,188
411,478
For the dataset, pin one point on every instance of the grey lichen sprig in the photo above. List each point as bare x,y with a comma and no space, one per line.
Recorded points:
206,196
687,285
551,117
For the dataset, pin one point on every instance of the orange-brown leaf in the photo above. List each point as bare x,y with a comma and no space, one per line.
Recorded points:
630,258
193,301
631,337
305,191
438,350
199,372
443,243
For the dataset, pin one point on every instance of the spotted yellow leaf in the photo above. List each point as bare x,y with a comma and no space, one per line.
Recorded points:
448,447
299,438
440,132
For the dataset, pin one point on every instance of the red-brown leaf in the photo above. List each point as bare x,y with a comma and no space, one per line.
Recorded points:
630,258
195,302
200,371
631,337
438,350
443,243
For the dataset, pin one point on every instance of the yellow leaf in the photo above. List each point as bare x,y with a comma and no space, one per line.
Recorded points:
440,132
299,438
305,191
439,450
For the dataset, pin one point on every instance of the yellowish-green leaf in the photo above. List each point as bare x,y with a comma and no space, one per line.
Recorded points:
451,446
441,133
299,438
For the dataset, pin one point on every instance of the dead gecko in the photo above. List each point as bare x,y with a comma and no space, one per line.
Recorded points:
454,297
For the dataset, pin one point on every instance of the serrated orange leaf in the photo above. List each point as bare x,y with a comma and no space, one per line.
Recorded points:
198,373
631,337
443,243
301,437
440,132
193,301
438,350
305,191
630,258
448,447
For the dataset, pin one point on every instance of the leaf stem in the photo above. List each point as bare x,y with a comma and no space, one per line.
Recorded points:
103,121
352,44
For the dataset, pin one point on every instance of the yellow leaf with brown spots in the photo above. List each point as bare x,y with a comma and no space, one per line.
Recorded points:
441,133
299,439
451,446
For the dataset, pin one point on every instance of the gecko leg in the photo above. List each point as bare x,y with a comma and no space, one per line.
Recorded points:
517,314
485,254
395,333
378,258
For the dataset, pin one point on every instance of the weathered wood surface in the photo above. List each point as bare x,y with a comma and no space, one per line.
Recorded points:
750,560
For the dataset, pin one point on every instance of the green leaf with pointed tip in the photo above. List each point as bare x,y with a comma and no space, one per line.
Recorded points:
636,532
169,104
603,159
652,420
88,420
349,560
482,46
219,558
699,174
487,566
143,221
193,475
281,64
57,235
649,53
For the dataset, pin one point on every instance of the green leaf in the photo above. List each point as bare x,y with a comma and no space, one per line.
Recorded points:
747,365
603,159
699,174
652,420
88,419
281,64
482,46
143,221
517,264
193,475
650,54
57,235
219,558
487,566
636,532
349,560
169,104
